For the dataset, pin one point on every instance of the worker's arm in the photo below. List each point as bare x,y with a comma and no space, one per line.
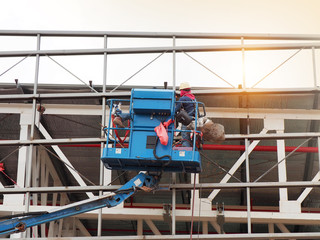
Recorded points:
179,104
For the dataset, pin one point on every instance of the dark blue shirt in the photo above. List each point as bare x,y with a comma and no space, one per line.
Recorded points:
188,105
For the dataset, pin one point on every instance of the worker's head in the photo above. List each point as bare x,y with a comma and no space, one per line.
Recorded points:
185,86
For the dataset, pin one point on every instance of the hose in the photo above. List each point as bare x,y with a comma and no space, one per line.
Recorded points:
159,158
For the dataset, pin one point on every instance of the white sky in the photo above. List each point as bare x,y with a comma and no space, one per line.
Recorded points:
205,16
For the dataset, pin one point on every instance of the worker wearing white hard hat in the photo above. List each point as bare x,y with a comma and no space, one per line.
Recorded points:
184,85
186,102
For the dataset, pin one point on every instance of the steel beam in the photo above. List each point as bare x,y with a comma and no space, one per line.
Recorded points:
99,140
270,136
165,187
241,236
111,51
62,95
181,215
51,141
215,112
64,159
236,165
127,93
248,36
184,215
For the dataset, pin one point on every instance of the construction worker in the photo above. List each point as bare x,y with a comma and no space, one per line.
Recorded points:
188,105
119,116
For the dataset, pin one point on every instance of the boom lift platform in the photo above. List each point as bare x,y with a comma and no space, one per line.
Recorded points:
144,152
148,108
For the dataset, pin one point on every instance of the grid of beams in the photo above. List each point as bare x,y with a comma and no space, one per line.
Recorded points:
289,212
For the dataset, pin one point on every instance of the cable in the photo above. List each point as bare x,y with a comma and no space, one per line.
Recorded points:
159,158
219,167
74,121
282,160
116,178
136,72
67,164
117,134
72,74
115,139
209,70
11,153
14,65
13,181
276,68
7,115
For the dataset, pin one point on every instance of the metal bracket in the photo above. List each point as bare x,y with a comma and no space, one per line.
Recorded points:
167,214
220,216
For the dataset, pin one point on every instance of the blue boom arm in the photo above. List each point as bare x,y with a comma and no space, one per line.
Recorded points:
141,181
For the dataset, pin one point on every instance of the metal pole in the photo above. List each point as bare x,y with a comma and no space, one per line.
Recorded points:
165,187
243,65
174,194
34,103
130,34
248,178
174,64
319,151
248,188
103,122
105,64
314,67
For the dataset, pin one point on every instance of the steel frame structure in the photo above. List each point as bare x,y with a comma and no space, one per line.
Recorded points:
34,170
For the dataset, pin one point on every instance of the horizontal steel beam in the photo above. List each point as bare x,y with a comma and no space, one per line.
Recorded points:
110,51
238,236
156,214
127,93
62,95
162,187
214,112
61,141
271,136
51,141
263,113
255,36
56,109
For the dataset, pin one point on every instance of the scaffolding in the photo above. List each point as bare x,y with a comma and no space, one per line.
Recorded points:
35,171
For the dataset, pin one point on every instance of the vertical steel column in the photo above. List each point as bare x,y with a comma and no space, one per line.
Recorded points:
174,65
243,65
248,178
314,67
34,102
103,122
174,177
282,169
319,152
139,227
174,195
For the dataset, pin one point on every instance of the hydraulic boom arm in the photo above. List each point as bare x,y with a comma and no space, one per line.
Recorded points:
141,181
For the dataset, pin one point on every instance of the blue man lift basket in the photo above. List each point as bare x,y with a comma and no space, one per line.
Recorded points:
144,152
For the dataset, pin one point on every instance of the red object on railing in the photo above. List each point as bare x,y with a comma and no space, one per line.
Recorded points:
162,134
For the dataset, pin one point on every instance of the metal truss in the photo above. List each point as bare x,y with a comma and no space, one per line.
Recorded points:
37,176
181,215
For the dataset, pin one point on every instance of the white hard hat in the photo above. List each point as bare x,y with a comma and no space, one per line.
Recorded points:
184,85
